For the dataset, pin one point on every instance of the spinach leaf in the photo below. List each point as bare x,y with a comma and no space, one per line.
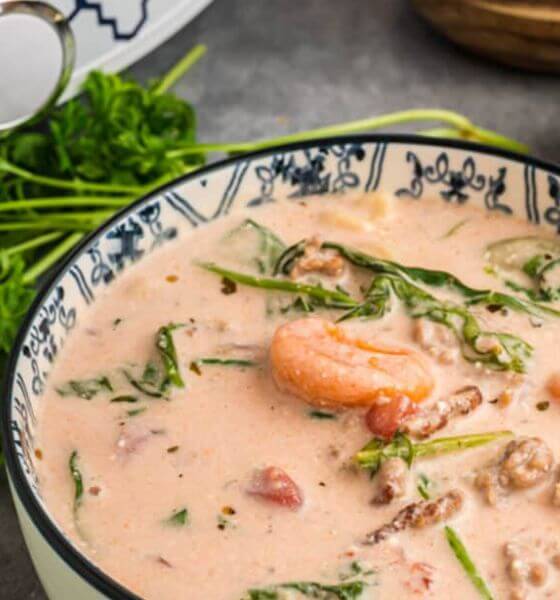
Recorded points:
226,362
343,591
77,478
136,411
499,351
146,387
179,518
269,245
423,486
125,398
168,355
322,415
441,279
154,383
150,374
377,451
325,297
86,388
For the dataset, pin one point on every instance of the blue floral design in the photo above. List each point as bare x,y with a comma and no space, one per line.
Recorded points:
456,183
128,235
150,215
309,177
41,341
102,271
112,22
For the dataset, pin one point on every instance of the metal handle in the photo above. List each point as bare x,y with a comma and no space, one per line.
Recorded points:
59,24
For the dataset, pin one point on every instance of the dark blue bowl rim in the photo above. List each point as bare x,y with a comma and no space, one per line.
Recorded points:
60,544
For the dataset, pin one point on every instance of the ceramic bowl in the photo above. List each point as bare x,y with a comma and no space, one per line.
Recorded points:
408,167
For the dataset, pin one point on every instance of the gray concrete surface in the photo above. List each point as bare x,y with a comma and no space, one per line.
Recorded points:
277,66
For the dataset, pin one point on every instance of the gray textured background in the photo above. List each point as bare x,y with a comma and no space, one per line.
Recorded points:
277,66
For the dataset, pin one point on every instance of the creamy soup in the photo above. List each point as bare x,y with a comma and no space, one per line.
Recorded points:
278,406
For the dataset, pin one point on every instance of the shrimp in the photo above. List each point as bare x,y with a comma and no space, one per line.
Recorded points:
316,361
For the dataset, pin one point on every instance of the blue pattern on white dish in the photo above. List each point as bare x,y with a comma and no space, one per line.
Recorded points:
119,30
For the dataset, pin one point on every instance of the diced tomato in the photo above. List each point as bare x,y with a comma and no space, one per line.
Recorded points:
384,418
275,485
422,577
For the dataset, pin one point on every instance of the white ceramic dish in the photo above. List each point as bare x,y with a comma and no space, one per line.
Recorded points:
112,34
402,165
108,35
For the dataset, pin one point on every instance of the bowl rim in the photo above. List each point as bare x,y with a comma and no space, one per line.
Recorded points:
77,561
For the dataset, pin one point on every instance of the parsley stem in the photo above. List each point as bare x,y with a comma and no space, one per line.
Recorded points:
174,74
63,202
443,132
69,184
44,224
166,178
50,258
457,121
63,221
40,240
492,138
69,217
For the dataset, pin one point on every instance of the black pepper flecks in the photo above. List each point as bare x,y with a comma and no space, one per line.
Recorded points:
228,286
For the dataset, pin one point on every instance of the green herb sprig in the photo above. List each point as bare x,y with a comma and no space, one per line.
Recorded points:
441,279
179,518
352,590
322,415
76,475
168,354
468,565
156,381
86,388
269,246
125,398
424,485
504,351
377,451
226,362
146,387
136,411
327,298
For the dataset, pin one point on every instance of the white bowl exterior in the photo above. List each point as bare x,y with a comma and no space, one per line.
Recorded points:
398,167
59,580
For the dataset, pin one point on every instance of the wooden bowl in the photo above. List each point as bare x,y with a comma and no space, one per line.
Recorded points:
522,33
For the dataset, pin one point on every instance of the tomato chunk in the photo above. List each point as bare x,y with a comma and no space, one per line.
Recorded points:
385,417
275,485
422,578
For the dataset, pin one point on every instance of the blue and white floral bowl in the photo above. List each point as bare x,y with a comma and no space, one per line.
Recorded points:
406,166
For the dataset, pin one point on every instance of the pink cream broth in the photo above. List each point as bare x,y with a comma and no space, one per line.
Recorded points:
200,449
